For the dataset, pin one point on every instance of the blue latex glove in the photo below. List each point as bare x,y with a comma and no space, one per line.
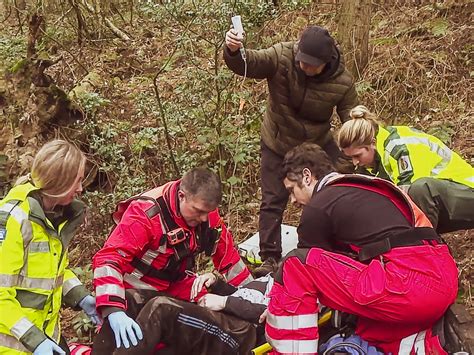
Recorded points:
48,347
125,329
88,306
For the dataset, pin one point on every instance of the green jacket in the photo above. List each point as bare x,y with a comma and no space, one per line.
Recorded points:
299,107
34,275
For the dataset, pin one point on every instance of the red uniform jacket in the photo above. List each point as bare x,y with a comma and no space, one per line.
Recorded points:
138,253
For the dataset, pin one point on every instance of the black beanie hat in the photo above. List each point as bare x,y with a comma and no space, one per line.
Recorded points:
316,46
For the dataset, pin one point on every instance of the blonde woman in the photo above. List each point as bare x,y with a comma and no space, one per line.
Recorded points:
38,218
439,181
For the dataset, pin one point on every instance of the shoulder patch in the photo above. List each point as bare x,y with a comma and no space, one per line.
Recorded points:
404,164
3,233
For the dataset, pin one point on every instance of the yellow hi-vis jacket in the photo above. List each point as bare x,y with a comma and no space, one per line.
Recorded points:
407,154
34,277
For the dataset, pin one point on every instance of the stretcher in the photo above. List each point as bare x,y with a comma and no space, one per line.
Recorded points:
249,248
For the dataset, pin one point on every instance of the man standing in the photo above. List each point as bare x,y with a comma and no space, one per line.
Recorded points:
306,80
153,248
366,249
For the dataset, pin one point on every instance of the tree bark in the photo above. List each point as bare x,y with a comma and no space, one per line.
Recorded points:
353,27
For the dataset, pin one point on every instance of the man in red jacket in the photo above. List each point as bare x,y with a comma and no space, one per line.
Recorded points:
364,248
153,248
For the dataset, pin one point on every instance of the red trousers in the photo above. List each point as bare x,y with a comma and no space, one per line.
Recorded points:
397,296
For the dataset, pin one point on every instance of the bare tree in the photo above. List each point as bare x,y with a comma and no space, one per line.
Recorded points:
353,26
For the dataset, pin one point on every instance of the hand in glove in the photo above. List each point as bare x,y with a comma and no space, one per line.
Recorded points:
48,347
125,329
88,306
207,280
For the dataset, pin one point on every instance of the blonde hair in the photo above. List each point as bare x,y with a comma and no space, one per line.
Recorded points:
360,130
55,168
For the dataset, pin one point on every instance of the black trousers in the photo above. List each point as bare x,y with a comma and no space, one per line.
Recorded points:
275,196
184,328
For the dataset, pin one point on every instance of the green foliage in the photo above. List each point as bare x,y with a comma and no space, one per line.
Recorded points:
438,27
12,50
444,132
363,87
91,101
84,328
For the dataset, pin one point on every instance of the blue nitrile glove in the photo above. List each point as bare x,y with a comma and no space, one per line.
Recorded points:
48,347
88,306
124,328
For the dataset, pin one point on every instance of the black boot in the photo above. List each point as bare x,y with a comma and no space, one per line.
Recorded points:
269,265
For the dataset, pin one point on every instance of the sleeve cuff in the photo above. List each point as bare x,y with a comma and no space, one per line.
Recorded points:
107,311
32,338
75,295
222,288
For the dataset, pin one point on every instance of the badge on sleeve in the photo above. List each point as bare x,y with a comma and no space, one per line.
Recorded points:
404,164
3,233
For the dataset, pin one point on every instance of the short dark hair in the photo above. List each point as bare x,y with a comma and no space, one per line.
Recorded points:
306,155
203,183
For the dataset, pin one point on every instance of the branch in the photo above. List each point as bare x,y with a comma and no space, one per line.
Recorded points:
115,30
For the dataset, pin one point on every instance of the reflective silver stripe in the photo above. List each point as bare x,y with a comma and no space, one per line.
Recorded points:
69,284
470,179
115,290
136,273
443,152
149,256
235,270
27,282
8,280
105,271
8,206
294,346
11,342
247,280
32,282
293,322
22,219
18,214
413,342
138,284
39,247
21,327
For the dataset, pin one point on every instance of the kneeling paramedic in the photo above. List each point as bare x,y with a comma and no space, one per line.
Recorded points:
153,248
363,248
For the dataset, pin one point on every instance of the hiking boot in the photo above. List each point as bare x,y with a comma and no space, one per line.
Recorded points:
269,265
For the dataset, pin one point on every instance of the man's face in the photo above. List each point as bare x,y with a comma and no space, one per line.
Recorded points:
311,70
363,155
76,189
193,209
300,194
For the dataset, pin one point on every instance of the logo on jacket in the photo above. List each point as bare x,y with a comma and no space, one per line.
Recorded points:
404,164
3,233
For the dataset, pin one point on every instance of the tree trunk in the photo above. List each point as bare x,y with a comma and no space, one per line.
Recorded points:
353,33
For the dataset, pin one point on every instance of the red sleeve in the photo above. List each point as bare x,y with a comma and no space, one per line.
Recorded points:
127,240
226,259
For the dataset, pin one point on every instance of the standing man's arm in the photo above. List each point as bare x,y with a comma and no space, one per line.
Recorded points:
348,102
261,64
